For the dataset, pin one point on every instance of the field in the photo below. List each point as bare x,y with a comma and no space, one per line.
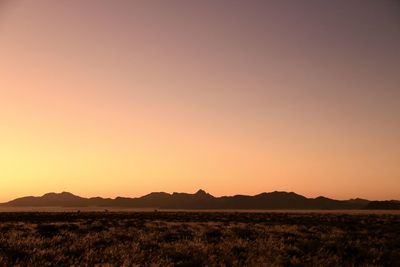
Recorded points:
198,239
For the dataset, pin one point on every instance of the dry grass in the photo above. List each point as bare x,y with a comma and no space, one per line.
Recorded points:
198,239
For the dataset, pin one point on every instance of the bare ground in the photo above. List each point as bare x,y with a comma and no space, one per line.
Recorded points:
198,239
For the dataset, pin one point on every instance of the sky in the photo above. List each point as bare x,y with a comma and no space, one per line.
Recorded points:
123,98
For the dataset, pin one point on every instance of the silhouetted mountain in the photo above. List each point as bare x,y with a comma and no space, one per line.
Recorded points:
203,200
63,199
383,205
359,201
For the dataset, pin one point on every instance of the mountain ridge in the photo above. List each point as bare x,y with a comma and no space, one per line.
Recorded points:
203,200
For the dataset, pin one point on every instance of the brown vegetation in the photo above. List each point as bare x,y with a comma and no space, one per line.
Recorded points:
198,239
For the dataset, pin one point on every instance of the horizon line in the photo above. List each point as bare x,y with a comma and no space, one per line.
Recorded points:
199,190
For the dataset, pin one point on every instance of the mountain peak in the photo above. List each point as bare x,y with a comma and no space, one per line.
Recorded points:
201,192
62,194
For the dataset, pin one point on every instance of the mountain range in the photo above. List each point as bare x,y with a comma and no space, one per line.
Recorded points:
203,200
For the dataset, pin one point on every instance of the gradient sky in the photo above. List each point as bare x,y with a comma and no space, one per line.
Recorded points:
128,97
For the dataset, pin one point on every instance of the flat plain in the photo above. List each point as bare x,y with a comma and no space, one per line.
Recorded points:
187,238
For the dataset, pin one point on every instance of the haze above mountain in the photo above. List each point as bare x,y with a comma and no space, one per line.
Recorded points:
203,200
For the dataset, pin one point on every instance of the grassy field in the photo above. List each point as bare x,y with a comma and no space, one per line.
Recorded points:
198,239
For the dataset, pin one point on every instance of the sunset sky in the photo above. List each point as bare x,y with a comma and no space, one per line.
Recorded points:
108,98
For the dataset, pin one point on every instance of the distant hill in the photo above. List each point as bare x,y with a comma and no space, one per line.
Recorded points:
50,199
203,200
359,201
383,205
